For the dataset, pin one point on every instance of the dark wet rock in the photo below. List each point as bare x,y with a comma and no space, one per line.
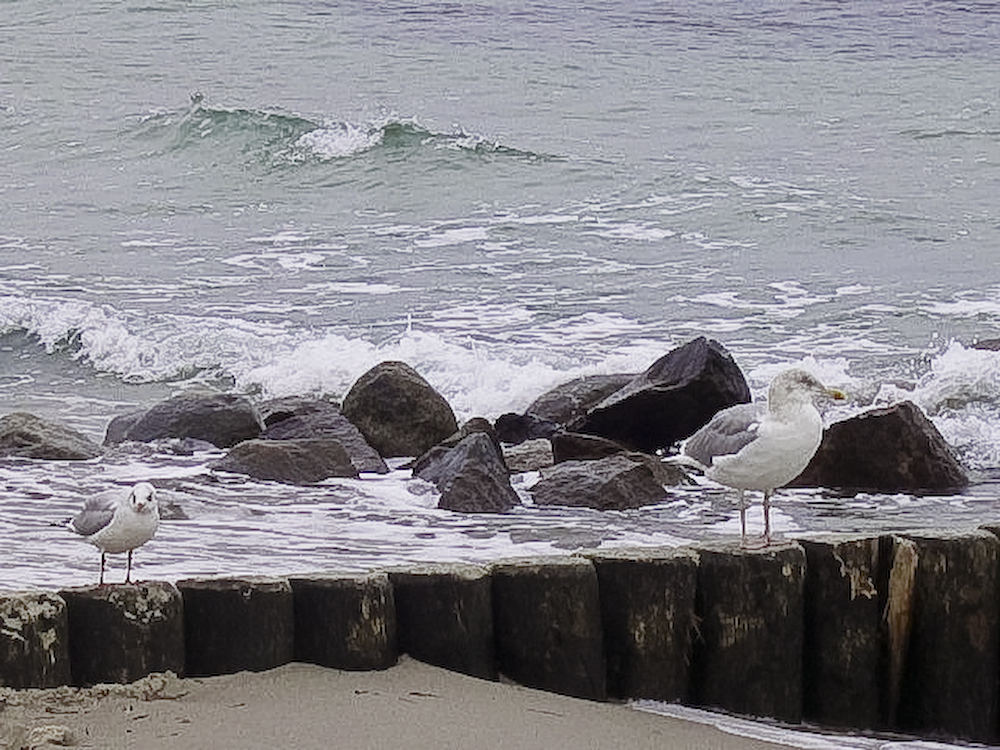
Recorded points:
571,400
397,411
678,394
547,623
517,428
293,461
28,436
222,419
893,449
277,410
472,477
992,345
613,483
748,653
575,446
324,420
531,455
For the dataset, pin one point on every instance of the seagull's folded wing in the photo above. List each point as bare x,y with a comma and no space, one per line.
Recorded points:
96,514
728,432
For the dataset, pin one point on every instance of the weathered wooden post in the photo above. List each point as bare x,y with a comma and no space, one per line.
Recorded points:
232,624
120,633
34,640
345,621
748,658
843,677
647,612
445,615
952,657
547,620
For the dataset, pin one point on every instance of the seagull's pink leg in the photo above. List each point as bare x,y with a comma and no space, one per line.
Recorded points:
767,518
743,519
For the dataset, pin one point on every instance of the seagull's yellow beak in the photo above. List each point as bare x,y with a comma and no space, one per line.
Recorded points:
836,393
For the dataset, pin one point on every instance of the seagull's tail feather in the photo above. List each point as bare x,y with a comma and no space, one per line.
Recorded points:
686,464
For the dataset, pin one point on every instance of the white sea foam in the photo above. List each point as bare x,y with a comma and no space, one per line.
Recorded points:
339,140
454,236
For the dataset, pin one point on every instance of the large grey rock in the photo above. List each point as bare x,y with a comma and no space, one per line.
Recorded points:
123,633
28,436
34,640
893,449
647,612
397,411
222,419
575,446
614,483
445,615
320,419
515,429
531,455
748,654
992,345
575,398
277,410
472,476
290,461
547,623
675,396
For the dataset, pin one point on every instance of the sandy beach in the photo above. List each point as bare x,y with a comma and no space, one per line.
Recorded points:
412,705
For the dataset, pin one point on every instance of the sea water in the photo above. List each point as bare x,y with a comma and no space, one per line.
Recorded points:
272,198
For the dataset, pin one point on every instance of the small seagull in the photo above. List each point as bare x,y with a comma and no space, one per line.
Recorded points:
763,445
116,524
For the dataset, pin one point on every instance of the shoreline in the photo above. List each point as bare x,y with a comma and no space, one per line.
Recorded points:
411,705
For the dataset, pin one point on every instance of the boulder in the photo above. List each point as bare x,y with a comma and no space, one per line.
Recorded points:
123,633
575,446
678,394
531,455
222,419
514,429
569,401
992,345
547,624
474,425
34,650
322,419
397,411
893,449
472,476
277,410
292,461
613,483
28,436
445,615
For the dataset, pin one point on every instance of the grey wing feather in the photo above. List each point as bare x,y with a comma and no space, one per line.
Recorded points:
96,514
726,433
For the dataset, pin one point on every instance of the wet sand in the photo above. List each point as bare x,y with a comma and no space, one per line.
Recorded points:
411,706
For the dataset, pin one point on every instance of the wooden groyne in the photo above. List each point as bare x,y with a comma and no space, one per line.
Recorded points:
899,632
